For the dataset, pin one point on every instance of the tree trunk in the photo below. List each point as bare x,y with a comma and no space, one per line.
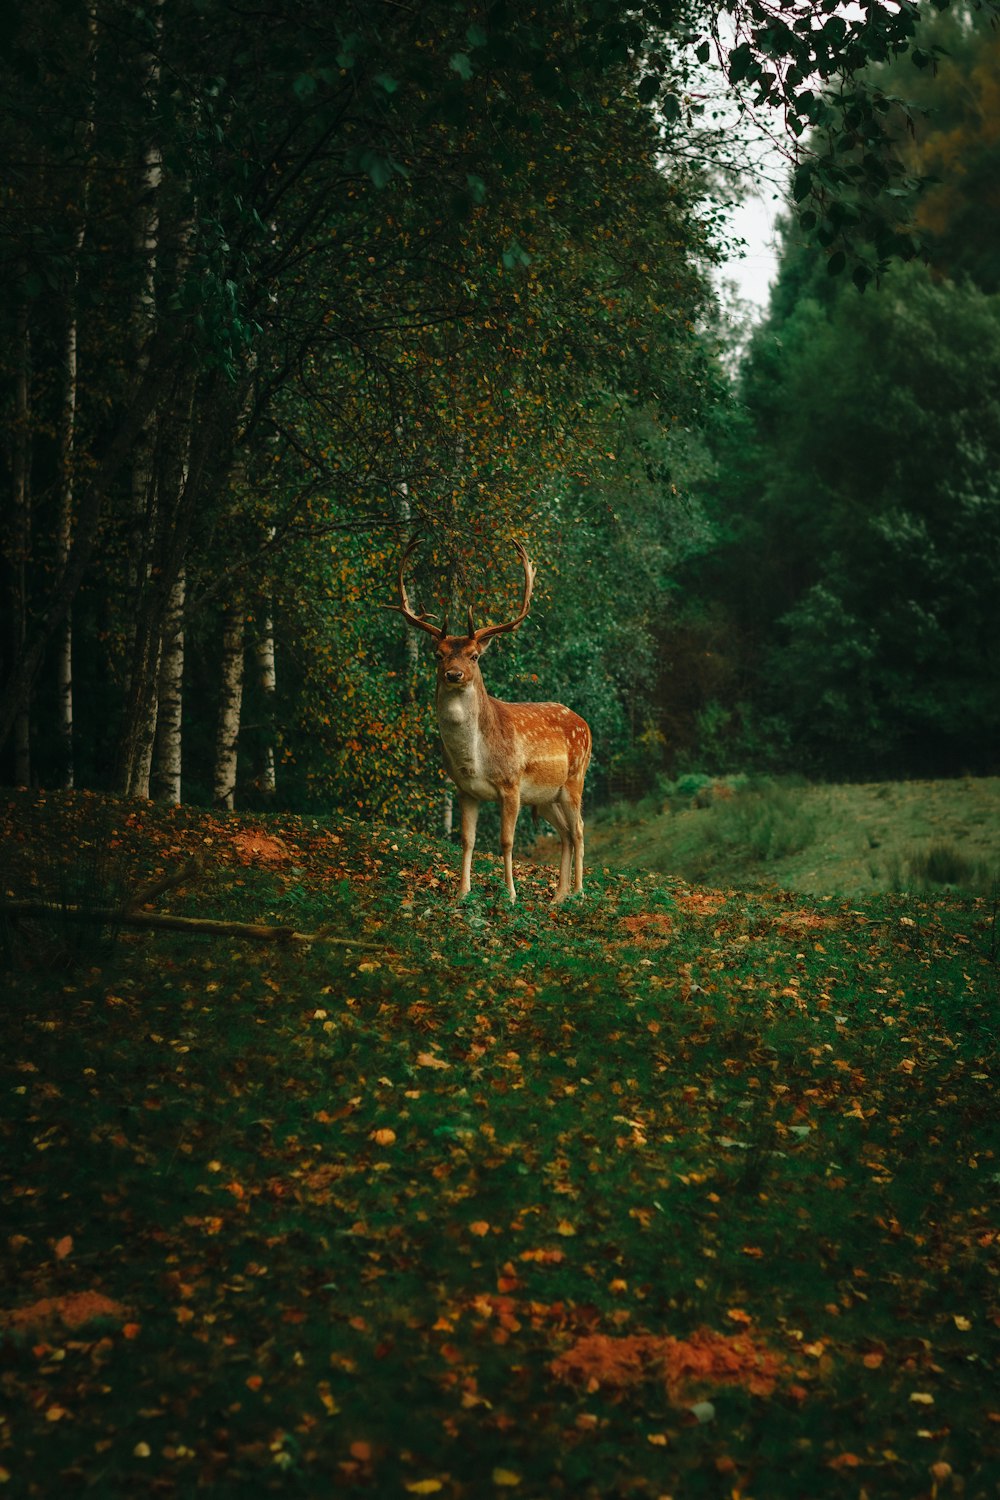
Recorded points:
144,643
67,435
230,704
22,534
167,774
267,678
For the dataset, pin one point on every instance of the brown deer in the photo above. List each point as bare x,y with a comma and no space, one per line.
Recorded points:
518,754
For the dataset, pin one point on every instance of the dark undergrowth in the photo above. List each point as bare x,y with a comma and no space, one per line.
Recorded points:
667,1191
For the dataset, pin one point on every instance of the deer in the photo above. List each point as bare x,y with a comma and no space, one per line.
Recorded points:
517,754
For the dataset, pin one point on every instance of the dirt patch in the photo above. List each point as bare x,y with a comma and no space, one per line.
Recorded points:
655,927
686,1366
72,1311
701,903
254,848
793,923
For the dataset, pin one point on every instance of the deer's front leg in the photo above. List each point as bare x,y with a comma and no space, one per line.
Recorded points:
510,806
470,817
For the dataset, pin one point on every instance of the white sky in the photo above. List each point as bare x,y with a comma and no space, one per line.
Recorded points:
753,271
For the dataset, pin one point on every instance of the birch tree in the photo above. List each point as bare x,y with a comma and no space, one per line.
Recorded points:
166,779
230,704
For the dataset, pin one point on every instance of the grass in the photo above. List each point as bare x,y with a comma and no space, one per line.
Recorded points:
849,840
666,1191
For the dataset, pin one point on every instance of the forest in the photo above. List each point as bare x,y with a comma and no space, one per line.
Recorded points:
325,1167
282,292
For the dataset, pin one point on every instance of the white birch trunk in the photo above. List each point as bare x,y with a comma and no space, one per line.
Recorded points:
67,447
166,781
147,231
230,705
267,677
64,648
22,532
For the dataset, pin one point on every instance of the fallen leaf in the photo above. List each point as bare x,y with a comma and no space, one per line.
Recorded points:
63,1247
506,1477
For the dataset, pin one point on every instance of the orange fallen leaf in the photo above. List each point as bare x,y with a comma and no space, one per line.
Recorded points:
844,1461
63,1247
480,1227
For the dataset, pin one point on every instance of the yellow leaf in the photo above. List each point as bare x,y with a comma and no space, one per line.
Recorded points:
424,1486
922,1398
506,1477
962,1324
564,1227
141,1450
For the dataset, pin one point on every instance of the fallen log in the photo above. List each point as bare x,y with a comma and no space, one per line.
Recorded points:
115,917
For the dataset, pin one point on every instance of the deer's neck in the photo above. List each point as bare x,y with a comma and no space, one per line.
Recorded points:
465,720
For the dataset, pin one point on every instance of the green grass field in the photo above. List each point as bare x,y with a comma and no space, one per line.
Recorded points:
671,1191
851,840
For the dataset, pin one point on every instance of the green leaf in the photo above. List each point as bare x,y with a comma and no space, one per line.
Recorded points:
836,263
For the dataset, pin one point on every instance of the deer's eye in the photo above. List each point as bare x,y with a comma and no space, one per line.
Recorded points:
473,655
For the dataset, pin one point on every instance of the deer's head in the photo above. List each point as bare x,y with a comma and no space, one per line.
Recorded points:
458,655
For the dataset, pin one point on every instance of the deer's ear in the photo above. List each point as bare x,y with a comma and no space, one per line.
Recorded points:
481,645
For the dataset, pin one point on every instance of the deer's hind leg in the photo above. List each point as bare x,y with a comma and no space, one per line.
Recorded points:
571,798
557,815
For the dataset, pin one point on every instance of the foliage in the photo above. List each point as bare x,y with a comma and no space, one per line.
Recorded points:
669,1190
338,273
851,839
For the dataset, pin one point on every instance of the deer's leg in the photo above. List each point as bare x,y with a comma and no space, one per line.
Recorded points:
510,806
574,814
557,815
470,817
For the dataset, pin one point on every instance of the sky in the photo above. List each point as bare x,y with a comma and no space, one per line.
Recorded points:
753,271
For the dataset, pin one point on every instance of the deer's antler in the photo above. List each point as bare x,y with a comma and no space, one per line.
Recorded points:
404,608
487,632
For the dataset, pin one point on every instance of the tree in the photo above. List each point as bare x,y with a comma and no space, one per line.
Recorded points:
288,205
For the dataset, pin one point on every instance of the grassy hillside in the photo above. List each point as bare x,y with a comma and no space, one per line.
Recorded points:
670,1191
850,840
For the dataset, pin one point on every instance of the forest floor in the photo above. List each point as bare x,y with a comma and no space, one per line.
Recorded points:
670,1191
847,840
